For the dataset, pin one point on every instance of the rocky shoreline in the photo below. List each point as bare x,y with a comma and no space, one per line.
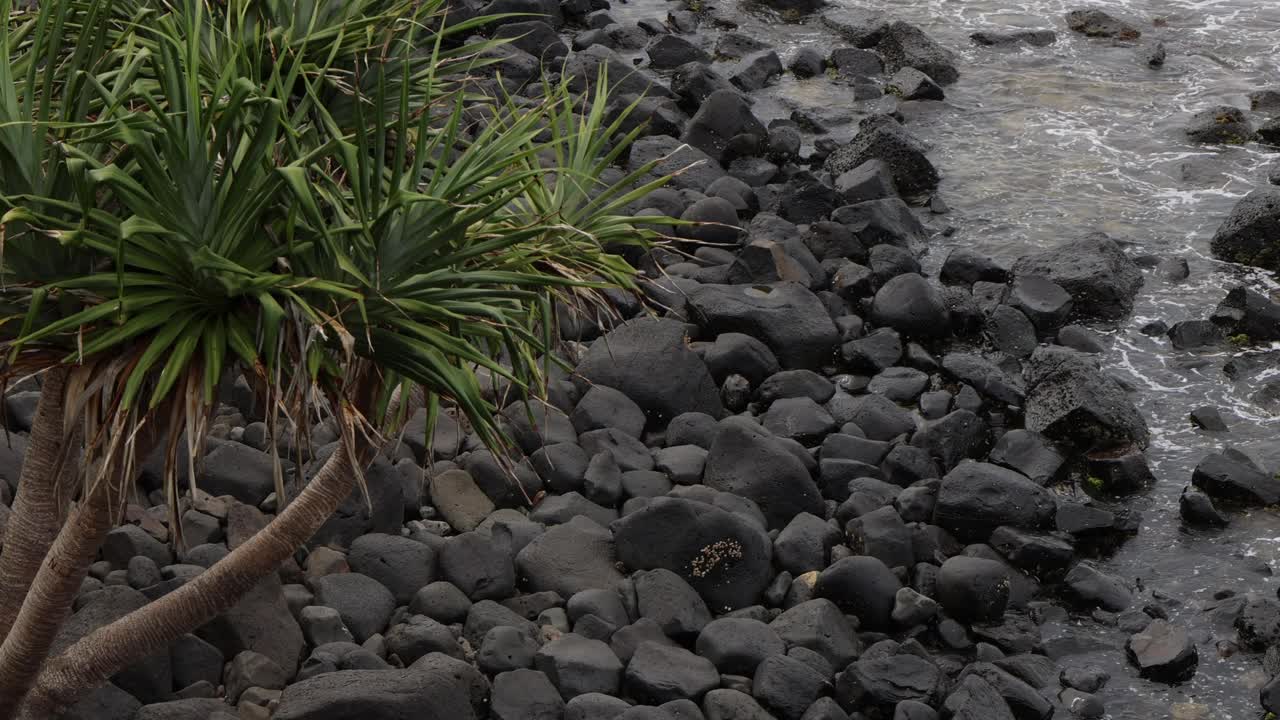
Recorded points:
817,484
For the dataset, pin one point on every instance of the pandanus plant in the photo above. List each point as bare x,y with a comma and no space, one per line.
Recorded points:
314,196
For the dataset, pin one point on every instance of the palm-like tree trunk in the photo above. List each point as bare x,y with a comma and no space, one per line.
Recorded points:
36,515
99,655
49,600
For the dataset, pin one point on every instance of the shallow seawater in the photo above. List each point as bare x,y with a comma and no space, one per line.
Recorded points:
1038,146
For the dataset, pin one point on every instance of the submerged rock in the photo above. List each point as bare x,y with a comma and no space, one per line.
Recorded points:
1220,124
1096,23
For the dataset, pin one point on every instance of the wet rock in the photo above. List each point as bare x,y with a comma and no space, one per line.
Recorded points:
1078,337
786,316
1221,124
1196,508
880,137
983,375
872,180
820,626
1250,314
1154,54
1229,479
1196,335
911,84
756,70
975,699
723,555
1095,271
583,68
1258,624
975,498
661,673
667,52
629,357
1034,38
1069,399
1011,332
1096,23
1041,554
911,305
1249,234
904,45
723,115
1163,652
1022,699
888,224
534,37
1095,588
856,62
1030,453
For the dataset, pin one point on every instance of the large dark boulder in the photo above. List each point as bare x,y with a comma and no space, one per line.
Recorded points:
789,318
378,695
1251,233
750,462
569,558
649,361
1221,124
1250,314
724,115
1226,478
911,305
723,555
905,45
583,68
976,497
880,137
686,166
1070,400
1095,271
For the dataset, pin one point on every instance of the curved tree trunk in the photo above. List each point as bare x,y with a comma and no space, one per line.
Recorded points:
37,516
49,600
104,652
